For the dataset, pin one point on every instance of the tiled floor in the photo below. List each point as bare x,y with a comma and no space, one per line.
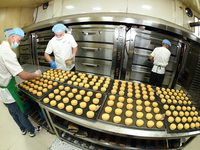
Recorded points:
12,139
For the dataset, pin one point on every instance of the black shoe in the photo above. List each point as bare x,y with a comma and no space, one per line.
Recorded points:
37,130
24,132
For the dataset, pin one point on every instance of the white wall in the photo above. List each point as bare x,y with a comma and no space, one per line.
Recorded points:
170,10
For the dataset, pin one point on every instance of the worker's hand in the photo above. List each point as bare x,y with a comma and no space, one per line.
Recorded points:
38,72
53,64
73,56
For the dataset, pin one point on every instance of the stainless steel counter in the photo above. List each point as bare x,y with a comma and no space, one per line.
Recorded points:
118,130
106,127
30,68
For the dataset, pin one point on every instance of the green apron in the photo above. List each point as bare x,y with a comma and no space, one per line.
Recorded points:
14,92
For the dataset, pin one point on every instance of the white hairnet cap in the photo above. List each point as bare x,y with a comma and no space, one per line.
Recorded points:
17,31
58,28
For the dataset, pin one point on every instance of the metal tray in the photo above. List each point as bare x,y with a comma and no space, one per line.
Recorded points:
50,74
34,96
96,113
90,79
133,117
133,88
168,124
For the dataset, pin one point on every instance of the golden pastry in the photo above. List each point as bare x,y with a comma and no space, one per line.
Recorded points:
74,90
110,103
95,88
117,119
187,113
120,104
172,107
70,95
67,88
186,126
192,125
158,116
129,106
65,100
172,126
150,124
168,112
56,91
121,99
165,106
139,108
105,117
189,119
95,101
61,105
159,124
145,97
62,93
74,102
51,95
197,125
148,109
128,113
169,101
184,119
79,111
147,103
89,93
98,95
137,95
188,108
149,116
92,107
194,119
112,97
86,98
184,108
175,113
53,103
170,119
191,113
118,111
154,104
130,94
180,126
139,114
156,110
139,122
90,114
82,92
83,104
46,100
138,102
81,84
128,121
39,94
177,119
181,113
50,87
78,97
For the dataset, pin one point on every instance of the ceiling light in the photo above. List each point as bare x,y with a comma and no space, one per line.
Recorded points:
146,7
97,8
70,7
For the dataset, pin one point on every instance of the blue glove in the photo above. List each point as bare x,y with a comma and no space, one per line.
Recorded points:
53,64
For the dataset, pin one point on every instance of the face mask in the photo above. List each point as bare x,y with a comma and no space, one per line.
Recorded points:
15,45
59,38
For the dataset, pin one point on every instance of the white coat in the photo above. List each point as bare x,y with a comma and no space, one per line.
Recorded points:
62,50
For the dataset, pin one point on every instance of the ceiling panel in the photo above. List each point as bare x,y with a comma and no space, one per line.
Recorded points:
22,3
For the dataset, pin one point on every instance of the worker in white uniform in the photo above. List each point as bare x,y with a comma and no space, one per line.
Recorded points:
9,68
160,58
64,48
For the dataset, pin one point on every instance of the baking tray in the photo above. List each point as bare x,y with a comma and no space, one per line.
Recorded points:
96,113
133,88
168,124
90,79
133,117
34,96
61,71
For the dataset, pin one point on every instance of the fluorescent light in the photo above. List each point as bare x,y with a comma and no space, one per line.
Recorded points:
146,7
97,8
70,7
